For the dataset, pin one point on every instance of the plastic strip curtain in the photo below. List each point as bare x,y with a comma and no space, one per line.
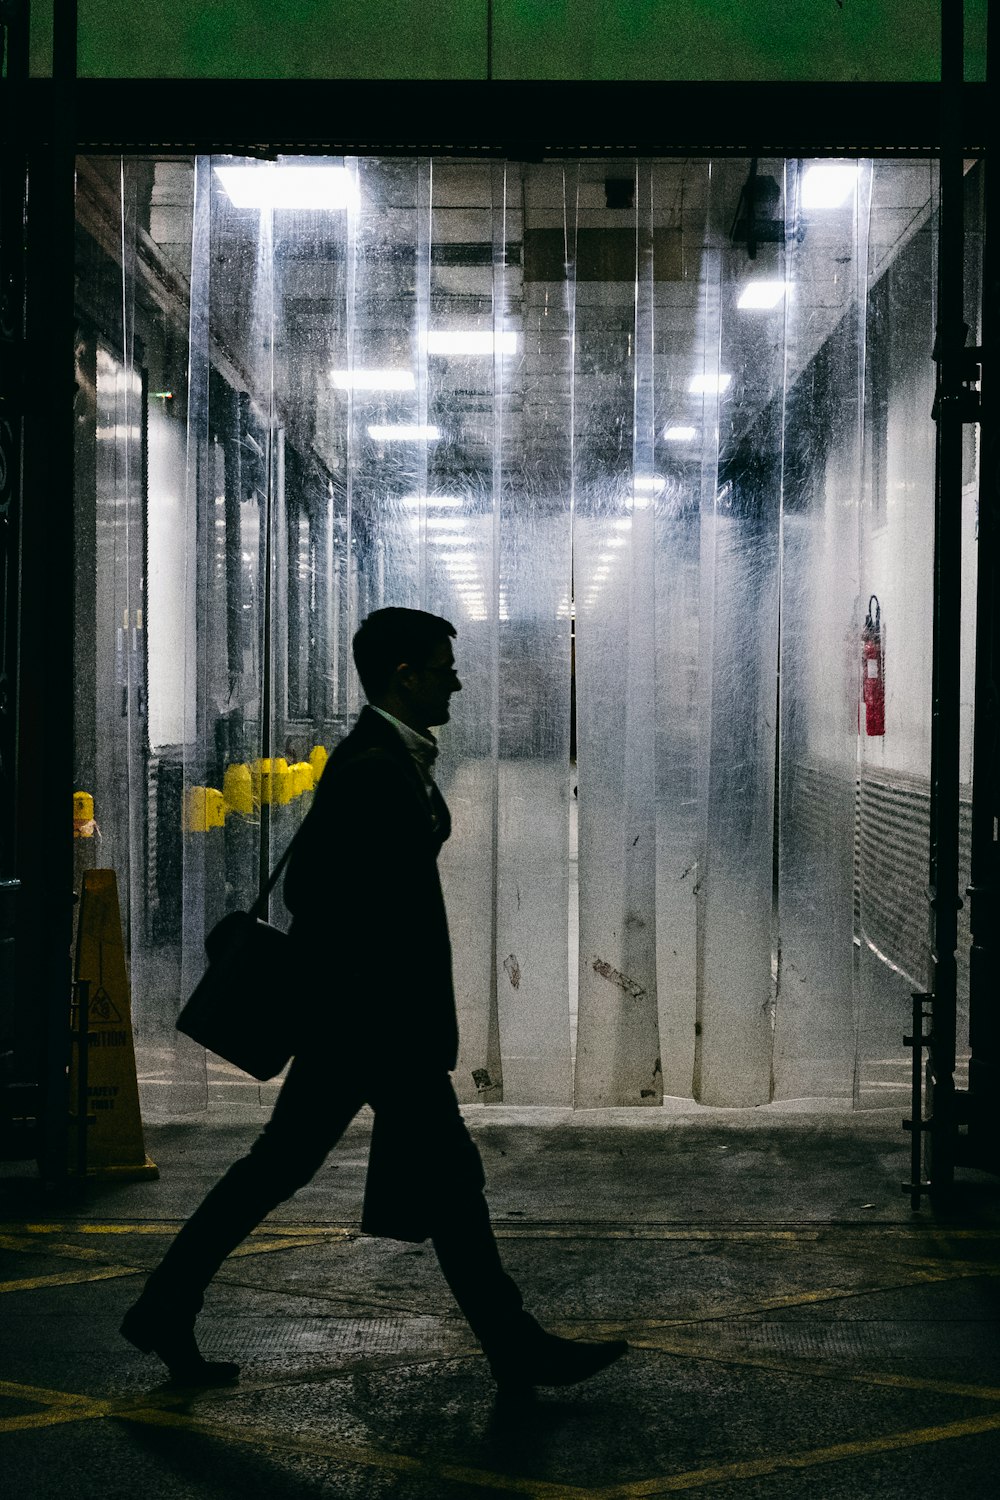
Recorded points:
823,488
498,392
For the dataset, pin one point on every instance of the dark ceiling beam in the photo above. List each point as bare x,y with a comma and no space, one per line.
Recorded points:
525,121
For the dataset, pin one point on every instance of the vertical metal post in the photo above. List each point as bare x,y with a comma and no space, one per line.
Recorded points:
44,848
984,892
948,413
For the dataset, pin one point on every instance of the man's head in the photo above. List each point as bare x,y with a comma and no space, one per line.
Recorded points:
406,664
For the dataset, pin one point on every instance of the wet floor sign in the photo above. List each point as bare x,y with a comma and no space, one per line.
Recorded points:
114,1143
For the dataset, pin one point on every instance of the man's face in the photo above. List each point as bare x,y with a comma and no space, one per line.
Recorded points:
430,687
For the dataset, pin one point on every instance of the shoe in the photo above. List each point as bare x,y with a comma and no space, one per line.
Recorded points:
177,1348
540,1358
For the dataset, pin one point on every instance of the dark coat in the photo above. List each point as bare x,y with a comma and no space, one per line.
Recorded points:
368,915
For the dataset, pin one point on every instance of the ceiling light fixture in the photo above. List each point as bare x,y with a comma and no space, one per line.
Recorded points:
708,385
373,380
680,434
761,295
432,502
271,185
403,432
470,341
828,184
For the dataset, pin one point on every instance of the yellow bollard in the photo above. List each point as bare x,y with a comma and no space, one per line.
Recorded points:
281,781
83,815
215,808
318,759
302,777
197,802
260,772
194,809
237,790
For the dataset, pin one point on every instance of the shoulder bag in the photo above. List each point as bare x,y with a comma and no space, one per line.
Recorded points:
237,1009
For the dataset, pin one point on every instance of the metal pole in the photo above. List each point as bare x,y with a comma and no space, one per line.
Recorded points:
45,728
984,892
948,412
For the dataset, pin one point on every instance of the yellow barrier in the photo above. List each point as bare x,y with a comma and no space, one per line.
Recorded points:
318,759
237,790
83,815
201,807
272,781
302,777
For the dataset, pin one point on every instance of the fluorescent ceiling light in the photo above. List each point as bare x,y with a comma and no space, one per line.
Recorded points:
704,385
680,434
403,432
641,502
828,184
470,341
270,185
648,484
449,541
761,294
622,524
373,380
433,502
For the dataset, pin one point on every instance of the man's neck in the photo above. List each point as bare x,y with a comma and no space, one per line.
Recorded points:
399,711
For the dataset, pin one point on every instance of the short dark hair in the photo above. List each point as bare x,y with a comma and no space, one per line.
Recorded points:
391,636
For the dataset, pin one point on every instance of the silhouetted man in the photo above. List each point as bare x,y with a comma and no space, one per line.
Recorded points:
374,983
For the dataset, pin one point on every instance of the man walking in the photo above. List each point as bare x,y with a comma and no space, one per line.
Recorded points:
373,977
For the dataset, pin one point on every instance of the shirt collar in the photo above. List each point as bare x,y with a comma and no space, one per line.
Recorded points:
422,747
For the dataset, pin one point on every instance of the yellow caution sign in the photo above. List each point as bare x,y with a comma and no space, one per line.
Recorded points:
114,1144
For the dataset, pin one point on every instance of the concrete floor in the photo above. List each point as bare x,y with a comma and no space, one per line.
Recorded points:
795,1331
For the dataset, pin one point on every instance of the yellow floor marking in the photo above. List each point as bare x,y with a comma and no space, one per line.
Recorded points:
26,1245
67,1278
264,1247
60,1406
41,1394
791,1364
834,1232
167,1227
799,1299
108,1273
346,1453
836,1453
55,1416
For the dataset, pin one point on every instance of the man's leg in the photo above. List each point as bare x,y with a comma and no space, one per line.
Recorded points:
309,1117
444,1160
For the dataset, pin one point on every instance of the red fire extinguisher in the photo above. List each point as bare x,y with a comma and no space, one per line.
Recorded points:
873,670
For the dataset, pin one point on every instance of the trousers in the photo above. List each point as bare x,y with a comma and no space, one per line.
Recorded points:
425,1180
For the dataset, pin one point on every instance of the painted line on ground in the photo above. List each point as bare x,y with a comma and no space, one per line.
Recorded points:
795,1366
360,1457
756,1468
590,1229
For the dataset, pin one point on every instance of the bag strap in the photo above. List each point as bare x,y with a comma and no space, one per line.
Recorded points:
259,907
